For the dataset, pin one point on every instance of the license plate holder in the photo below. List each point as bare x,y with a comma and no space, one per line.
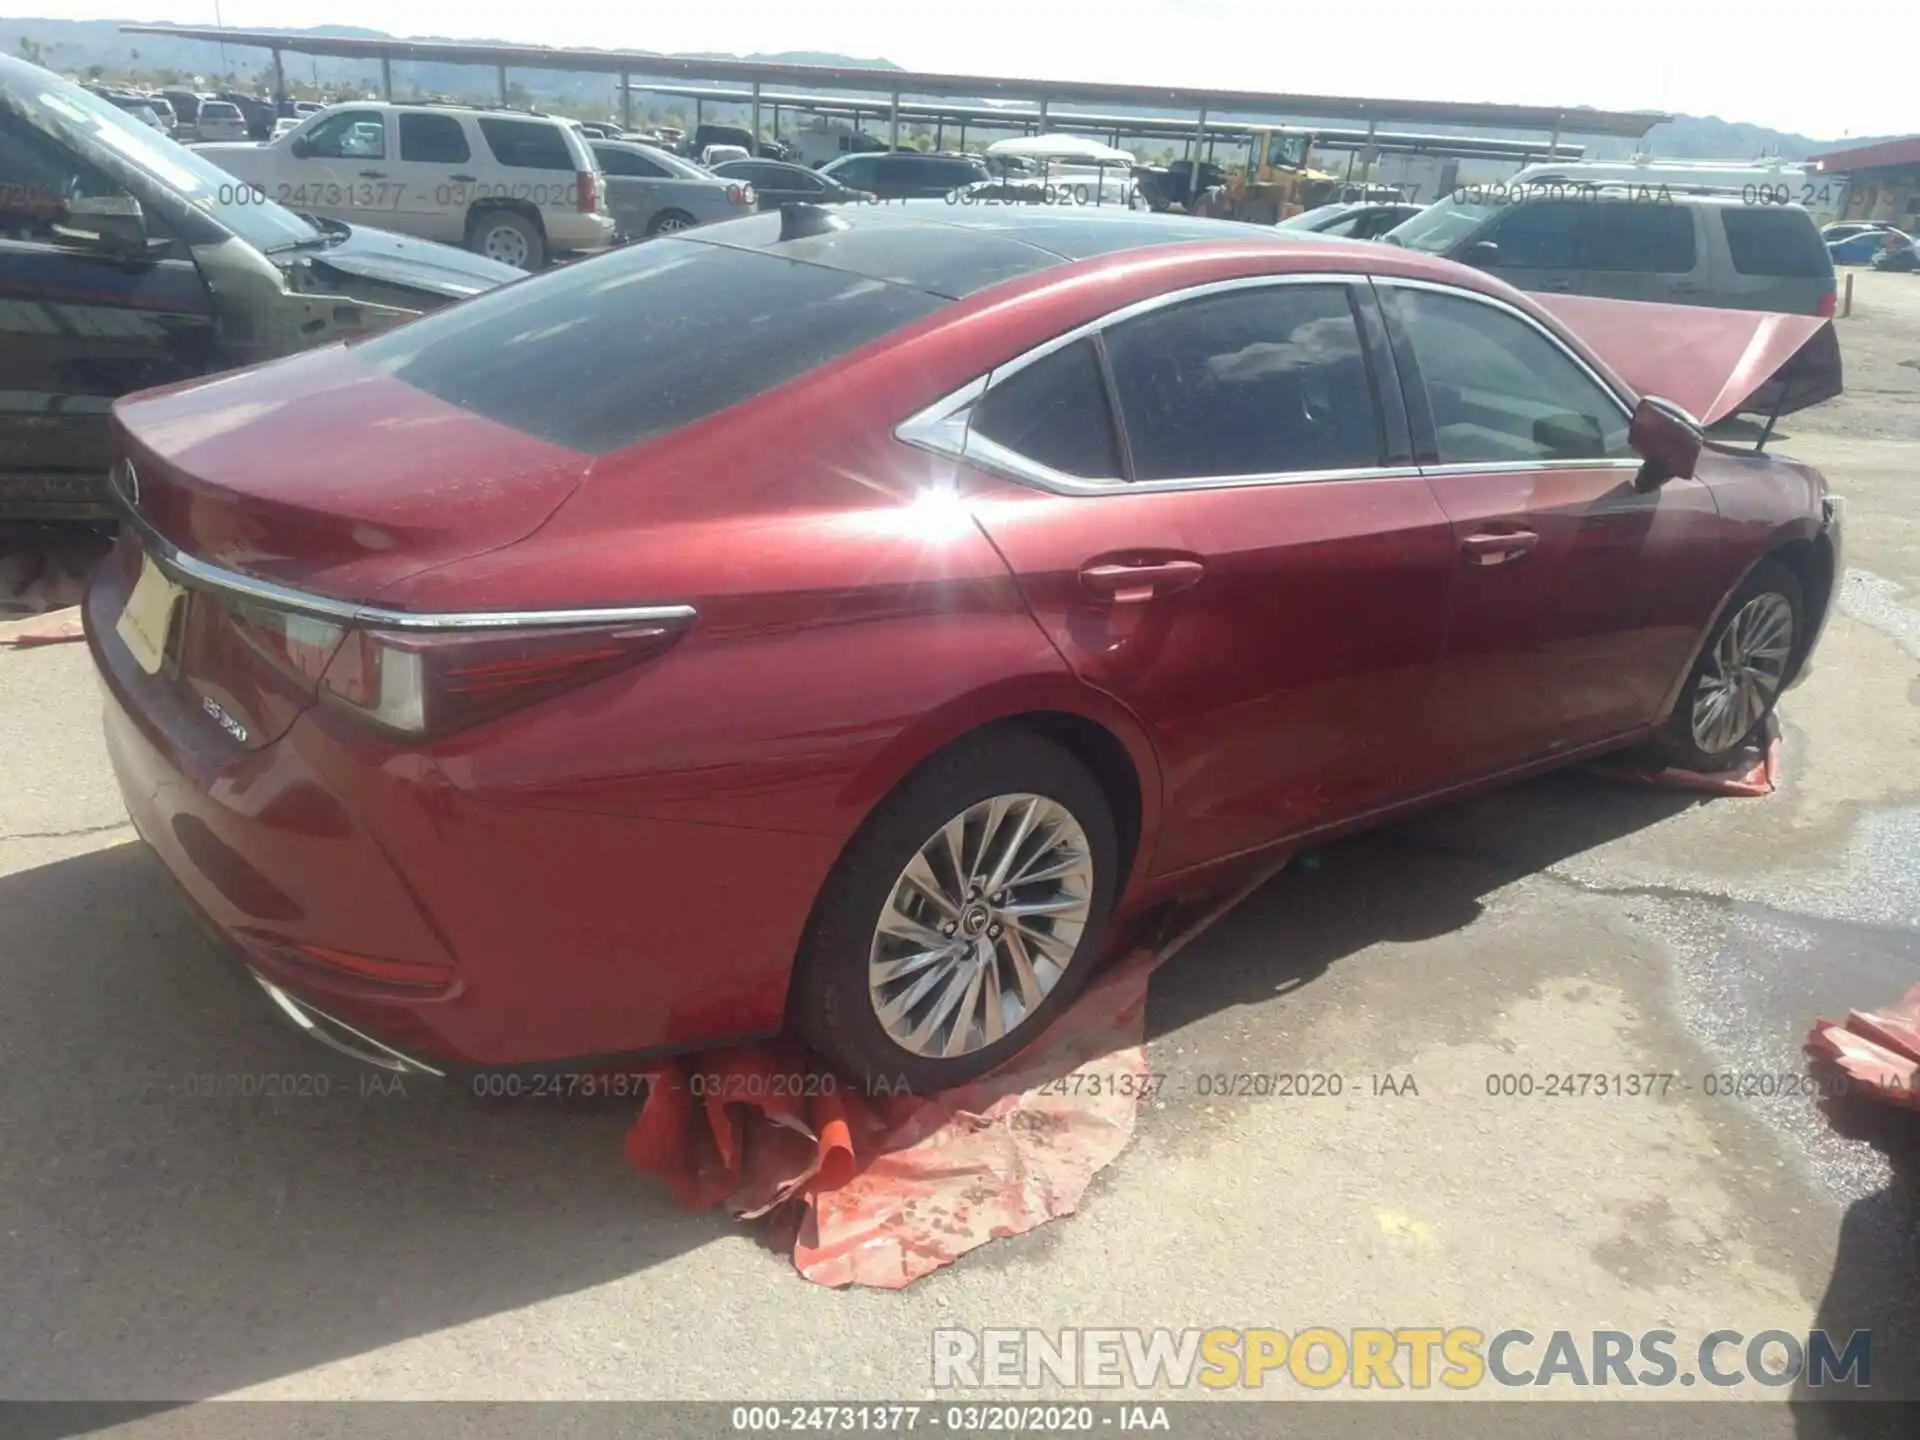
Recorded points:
147,618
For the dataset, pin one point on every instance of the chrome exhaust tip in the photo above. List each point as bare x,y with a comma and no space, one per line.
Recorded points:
338,1035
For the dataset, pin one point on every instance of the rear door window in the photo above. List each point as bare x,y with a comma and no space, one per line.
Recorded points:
348,135
433,140
1645,237
1250,382
856,174
1765,240
1054,411
615,161
642,341
783,177
526,144
1539,235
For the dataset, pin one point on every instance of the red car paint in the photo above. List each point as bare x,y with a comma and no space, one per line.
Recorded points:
1711,362
630,864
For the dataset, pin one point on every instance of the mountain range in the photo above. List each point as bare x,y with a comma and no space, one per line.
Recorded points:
75,46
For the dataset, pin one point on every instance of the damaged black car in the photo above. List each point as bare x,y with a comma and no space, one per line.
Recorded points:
127,261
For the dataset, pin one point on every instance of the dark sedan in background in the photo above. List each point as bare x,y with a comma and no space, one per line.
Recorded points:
777,183
903,175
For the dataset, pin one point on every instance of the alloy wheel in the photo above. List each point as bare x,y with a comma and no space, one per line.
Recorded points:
1744,672
981,925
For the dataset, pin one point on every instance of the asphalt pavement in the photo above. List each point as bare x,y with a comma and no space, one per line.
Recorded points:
156,1243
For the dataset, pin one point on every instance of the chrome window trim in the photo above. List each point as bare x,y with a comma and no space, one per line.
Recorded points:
1524,467
997,458
199,574
942,427
1495,303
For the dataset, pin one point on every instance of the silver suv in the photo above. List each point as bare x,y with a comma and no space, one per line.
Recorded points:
510,185
1633,242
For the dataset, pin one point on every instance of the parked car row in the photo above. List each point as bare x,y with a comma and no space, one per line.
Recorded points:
148,109
1862,242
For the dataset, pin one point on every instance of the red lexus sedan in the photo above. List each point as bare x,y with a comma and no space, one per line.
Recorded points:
839,620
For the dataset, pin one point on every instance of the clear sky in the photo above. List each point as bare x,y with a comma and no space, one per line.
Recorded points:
1828,73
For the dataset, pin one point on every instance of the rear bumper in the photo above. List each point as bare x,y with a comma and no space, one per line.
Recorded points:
500,935
579,232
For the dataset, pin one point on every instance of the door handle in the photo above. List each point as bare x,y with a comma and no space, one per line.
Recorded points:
1125,583
1497,549
1558,285
463,179
373,174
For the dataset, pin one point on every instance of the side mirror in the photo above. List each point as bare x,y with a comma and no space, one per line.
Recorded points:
1667,438
1482,254
108,224
299,147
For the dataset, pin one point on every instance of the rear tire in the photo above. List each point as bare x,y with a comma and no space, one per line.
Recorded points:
1009,958
668,221
508,237
1745,664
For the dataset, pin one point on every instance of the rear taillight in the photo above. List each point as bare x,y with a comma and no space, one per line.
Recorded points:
1829,304
740,194
417,684
428,682
299,646
589,188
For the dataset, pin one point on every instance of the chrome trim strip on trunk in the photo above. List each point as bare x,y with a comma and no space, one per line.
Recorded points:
187,570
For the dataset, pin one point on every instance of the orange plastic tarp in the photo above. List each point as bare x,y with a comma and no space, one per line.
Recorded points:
1877,1050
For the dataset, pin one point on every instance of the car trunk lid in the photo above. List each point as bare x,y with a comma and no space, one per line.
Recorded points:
320,475
1711,362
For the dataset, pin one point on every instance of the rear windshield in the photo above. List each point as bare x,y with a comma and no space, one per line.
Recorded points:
1769,241
527,144
601,355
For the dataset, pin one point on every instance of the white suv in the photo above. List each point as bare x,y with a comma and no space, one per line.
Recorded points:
514,187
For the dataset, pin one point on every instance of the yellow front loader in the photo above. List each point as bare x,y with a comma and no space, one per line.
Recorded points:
1275,182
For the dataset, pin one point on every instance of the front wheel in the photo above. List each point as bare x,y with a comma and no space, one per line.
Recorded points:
1740,673
962,918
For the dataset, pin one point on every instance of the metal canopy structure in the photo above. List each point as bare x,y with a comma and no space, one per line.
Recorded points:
1571,120
989,117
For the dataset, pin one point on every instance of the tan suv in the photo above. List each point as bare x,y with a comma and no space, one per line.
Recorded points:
1634,242
513,186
